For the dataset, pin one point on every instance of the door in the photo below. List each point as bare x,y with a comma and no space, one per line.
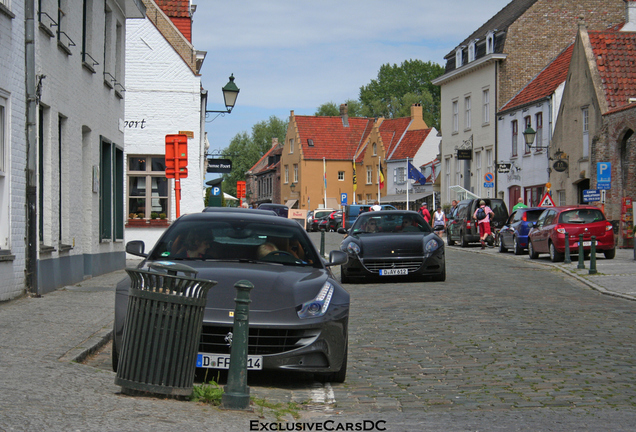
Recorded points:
514,193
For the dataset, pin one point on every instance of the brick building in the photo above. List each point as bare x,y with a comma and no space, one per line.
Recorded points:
262,181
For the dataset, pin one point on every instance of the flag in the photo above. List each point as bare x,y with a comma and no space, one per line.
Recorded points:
355,179
415,174
381,177
324,169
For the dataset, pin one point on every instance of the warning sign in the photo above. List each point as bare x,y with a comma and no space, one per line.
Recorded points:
546,201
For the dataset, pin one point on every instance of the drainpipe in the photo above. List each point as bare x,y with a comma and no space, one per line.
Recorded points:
31,279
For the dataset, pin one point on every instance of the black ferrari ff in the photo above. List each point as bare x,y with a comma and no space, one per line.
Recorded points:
298,317
392,244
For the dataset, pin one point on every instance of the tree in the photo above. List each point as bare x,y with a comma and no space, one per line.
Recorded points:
398,87
330,109
245,150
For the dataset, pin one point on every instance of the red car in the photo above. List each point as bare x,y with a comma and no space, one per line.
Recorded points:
548,232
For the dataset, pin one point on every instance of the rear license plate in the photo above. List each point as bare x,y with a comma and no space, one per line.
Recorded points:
222,361
393,272
585,243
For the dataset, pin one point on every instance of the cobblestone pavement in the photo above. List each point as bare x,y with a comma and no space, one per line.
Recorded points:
506,343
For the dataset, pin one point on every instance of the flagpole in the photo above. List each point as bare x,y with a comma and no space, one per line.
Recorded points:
407,183
355,180
379,171
324,169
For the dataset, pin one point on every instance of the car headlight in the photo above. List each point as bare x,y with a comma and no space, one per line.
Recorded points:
318,306
430,247
353,248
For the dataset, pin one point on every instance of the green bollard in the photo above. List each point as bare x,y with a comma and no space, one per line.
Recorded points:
322,243
581,257
567,259
593,256
236,393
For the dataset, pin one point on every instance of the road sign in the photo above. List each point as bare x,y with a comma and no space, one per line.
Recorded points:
546,201
489,177
489,185
343,199
591,195
503,168
603,175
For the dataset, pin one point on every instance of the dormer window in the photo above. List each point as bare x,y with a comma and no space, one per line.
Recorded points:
458,58
472,51
490,42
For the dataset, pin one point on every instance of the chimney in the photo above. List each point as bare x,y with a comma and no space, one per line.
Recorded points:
630,16
344,114
416,111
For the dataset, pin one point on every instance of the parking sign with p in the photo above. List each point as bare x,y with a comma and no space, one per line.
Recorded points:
603,175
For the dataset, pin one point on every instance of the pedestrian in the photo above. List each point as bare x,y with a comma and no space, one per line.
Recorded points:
482,214
376,206
519,204
439,220
425,213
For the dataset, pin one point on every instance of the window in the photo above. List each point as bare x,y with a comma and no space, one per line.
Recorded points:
458,58
486,100
87,36
586,131
538,139
515,131
455,116
467,112
111,191
375,149
109,73
369,175
286,174
148,190
490,42
399,176
4,181
471,51
458,174
291,145
527,123
341,176
561,198
490,167
295,173
447,165
478,171
3,146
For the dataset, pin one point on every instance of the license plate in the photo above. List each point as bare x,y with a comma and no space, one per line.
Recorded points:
393,272
222,361
585,243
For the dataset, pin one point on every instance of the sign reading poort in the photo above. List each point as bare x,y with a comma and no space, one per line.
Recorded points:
219,166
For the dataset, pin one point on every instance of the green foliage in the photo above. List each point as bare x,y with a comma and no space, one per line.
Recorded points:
279,410
398,87
245,150
208,393
330,109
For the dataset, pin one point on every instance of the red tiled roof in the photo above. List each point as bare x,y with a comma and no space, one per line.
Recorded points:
331,139
545,83
615,54
391,132
175,8
410,144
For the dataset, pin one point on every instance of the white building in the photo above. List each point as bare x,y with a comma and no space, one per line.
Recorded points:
163,97
12,150
536,106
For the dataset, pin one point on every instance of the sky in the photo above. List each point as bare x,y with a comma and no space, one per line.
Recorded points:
297,55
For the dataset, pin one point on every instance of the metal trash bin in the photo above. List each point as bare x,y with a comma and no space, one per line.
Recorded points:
162,330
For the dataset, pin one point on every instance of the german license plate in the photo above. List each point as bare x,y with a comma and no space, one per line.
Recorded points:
585,243
393,272
222,361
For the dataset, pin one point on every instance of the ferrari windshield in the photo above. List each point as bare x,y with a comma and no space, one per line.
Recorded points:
389,222
235,240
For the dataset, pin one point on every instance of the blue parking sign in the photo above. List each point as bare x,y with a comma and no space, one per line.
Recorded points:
603,175
343,199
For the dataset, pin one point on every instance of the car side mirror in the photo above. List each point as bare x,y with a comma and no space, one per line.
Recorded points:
136,247
337,257
342,230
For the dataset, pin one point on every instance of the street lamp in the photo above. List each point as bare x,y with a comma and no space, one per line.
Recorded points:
230,93
292,187
529,134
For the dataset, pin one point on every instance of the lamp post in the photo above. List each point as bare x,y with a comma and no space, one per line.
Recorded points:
230,93
529,135
292,187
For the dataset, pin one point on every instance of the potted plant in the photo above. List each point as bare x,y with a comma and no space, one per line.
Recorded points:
158,222
136,220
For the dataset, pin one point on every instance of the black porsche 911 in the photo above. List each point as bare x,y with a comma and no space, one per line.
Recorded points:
298,318
392,244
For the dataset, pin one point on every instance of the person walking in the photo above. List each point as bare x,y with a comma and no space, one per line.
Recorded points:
439,220
425,213
482,214
376,206
519,204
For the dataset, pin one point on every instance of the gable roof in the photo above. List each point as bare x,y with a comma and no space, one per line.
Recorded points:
330,138
545,83
392,131
262,165
615,56
410,144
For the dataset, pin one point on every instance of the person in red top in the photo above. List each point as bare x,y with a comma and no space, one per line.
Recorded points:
484,224
425,213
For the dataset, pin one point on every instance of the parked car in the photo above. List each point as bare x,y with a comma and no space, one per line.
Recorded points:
548,232
310,219
318,215
463,229
514,234
281,209
334,221
392,244
352,211
298,312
